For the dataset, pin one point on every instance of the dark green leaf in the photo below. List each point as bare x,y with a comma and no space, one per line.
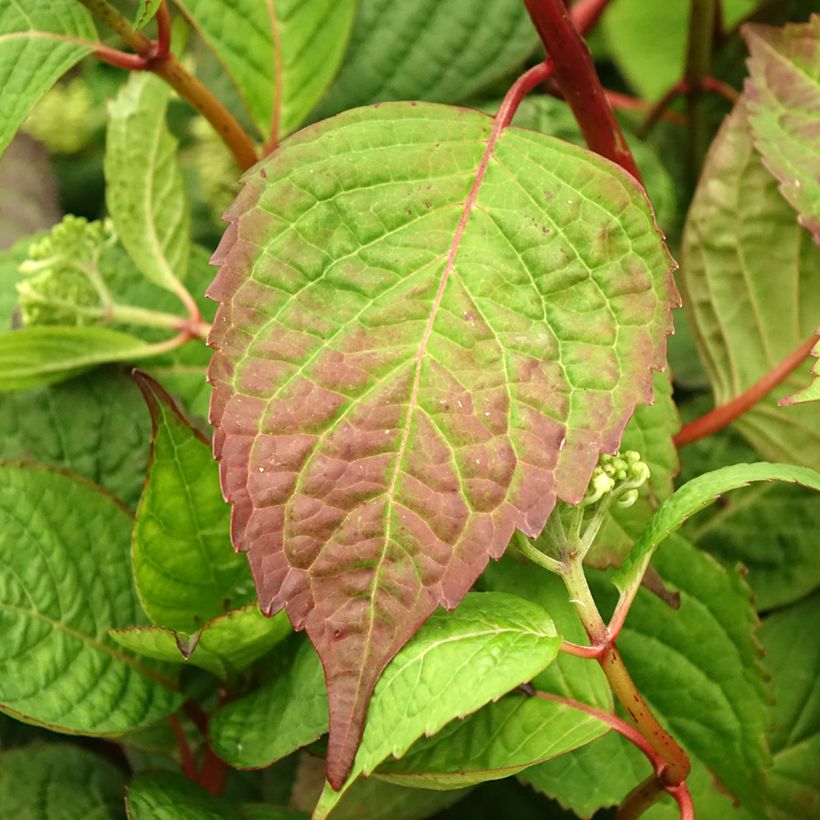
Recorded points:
168,796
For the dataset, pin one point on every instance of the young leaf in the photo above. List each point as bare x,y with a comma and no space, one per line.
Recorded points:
95,425
436,50
812,391
170,796
411,365
145,191
793,658
499,740
64,581
770,528
35,356
184,568
699,666
225,646
784,111
281,56
692,497
746,321
146,11
58,781
39,41
276,719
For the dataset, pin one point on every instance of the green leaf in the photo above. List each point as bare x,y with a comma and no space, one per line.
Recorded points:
145,190
9,277
648,42
184,568
692,497
397,392
770,528
276,719
146,11
793,658
96,425
169,796
436,50
58,781
747,321
281,56
455,664
499,740
224,646
28,191
784,111
39,41
64,581
34,356
812,391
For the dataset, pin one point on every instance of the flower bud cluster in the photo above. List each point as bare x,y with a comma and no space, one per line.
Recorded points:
618,476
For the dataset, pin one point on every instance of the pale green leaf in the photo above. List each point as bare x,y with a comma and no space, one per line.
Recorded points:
455,664
747,319
436,50
39,41
146,11
812,391
145,190
793,659
59,781
281,56
64,581
96,425
784,111
770,528
224,646
35,356
276,719
169,796
10,275
499,740
692,497
185,570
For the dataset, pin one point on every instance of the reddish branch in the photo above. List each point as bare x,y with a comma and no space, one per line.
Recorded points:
213,772
725,414
586,13
577,80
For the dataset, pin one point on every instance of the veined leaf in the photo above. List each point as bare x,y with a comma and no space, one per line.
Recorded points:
145,191
746,319
454,665
184,568
96,425
692,497
784,111
281,56
499,740
411,364
58,781
170,796
435,50
224,646
64,581
812,391
39,41
34,356
793,658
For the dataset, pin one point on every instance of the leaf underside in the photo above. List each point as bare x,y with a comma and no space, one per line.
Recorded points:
428,331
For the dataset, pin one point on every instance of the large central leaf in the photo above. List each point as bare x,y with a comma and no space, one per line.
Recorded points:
429,329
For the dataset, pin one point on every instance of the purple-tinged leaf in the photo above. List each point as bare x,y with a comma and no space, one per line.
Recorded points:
429,329
784,111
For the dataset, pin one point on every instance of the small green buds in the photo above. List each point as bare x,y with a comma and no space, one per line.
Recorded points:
63,284
619,476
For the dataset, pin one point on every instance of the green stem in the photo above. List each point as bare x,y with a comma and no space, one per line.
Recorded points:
698,67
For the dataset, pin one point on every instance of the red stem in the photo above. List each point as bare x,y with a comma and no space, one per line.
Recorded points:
162,47
578,82
121,59
587,13
588,652
519,89
186,756
725,414
213,774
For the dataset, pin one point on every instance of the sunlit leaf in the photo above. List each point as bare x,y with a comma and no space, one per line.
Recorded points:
64,581
751,286
784,111
39,41
281,56
428,331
